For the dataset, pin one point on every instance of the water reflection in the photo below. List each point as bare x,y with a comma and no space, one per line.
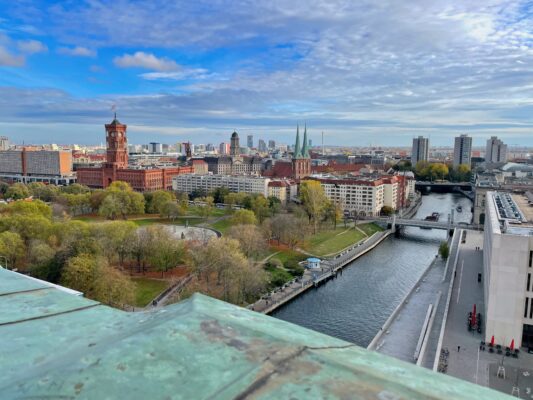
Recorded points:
355,305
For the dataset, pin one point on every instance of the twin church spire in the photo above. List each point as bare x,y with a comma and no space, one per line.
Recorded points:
302,152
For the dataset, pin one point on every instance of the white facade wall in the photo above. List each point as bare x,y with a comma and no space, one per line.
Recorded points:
507,270
356,197
390,195
189,182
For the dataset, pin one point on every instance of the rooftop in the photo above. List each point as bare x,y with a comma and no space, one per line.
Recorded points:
514,212
58,345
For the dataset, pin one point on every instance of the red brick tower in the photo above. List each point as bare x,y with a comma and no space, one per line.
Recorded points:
117,144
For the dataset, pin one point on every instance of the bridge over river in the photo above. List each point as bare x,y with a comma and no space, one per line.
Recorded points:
426,224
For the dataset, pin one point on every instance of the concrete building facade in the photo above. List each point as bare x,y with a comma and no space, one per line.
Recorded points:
462,150
496,151
508,266
420,150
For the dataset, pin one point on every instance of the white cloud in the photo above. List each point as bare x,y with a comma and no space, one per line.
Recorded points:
77,51
146,61
8,59
184,73
31,46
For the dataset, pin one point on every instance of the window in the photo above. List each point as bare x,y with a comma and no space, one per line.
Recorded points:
528,282
530,258
531,309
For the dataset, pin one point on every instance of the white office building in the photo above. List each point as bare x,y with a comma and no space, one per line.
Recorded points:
508,266
420,150
188,183
462,150
496,151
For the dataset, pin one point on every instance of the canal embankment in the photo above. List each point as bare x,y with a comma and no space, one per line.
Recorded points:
312,278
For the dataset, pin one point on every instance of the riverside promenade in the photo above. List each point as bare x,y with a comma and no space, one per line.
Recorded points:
314,277
412,331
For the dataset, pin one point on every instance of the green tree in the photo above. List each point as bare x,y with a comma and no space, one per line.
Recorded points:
219,194
17,191
157,201
387,210
121,200
75,188
115,239
12,248
92,276
314,201
438,170
206,208
43,192
243,217
40,253
260,206
444,250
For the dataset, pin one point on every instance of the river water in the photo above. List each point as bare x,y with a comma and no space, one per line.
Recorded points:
355,305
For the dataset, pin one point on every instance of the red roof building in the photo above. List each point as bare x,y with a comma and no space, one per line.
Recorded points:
116,167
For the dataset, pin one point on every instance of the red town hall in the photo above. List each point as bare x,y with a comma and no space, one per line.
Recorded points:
116,168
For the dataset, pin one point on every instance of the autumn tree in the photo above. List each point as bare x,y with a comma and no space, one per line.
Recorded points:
12,248
243,217
92,276
250,237
314,201
155,201
17,191
121,200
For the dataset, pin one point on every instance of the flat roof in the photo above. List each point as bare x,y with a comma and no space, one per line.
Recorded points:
58,345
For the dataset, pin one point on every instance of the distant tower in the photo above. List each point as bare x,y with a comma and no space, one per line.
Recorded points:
234,149
117,144
301,162
420,150
250,141
462,151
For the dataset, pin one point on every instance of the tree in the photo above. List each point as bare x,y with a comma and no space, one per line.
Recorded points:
260,206
289,229
314,201
92,276
444,250
438,170
250,237
43,192
243,217
219,194
387,210
166,251
115,239
35,207
12,248
206,208
171,210
274,204
40,253
333,212
157,200
121,200
17,191
75,188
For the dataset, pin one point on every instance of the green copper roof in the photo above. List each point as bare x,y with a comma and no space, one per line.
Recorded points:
297,151
305,150
57,345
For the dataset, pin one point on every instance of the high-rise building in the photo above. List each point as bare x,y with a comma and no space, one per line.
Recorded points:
234,147
420,150
262,146
462,150
4,143
496,151
310,143
271,144
250,141
223,149
155,147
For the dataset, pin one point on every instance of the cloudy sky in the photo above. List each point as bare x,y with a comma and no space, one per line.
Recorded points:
364,72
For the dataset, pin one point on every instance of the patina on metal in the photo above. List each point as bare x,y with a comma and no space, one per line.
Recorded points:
58,345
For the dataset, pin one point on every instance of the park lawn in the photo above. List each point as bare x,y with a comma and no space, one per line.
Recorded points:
332,240
222,225
147,289
370,228
287,255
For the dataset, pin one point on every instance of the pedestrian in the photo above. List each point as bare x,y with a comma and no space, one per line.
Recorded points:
458,349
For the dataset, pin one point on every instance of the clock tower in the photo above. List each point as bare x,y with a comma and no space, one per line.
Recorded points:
117,144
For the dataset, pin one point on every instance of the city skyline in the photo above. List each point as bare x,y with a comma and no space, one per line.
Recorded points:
364,74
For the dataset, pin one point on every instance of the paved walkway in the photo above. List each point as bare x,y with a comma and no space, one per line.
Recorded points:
403,331
469,363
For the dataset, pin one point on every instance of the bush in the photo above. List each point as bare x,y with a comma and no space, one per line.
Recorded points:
444,250
294,268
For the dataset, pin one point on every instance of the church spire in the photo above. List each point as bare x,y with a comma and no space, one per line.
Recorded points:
297,153
305,150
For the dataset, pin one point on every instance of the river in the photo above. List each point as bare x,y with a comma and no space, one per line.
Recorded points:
355,305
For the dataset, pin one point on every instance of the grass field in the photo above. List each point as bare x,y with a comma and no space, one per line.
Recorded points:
147,289
370,228
332,241
222,225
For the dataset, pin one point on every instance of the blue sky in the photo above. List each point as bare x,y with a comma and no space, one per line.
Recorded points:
364,72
